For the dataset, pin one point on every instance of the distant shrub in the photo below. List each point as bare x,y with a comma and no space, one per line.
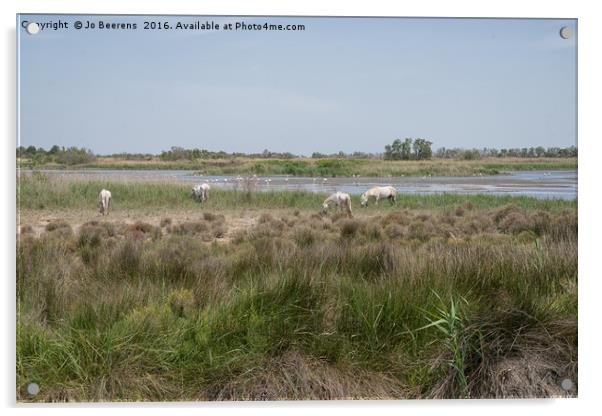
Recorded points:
74,156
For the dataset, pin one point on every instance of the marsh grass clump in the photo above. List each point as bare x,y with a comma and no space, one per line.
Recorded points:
89,241
189,228
372,231
394,231
541,222
142,227
210,217
514,223
141,230
56,224
59,228
501,214
264,218
182,302
109,228
421,230
218,230
349,228
305,236
126,257
397,217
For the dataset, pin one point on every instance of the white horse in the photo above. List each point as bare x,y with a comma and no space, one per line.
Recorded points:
340,200
201,192
104,200
379,192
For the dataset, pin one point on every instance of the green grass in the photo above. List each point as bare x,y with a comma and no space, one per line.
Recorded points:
300,306
39,192
334,167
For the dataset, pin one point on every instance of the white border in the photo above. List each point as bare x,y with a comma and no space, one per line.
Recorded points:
589,220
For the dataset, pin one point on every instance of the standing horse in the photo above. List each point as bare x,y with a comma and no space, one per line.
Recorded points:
104,200
340,200
379,192
201,192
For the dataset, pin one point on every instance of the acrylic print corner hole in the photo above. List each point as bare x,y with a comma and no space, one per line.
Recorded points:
295,208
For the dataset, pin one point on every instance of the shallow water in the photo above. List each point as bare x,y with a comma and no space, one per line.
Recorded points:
539,184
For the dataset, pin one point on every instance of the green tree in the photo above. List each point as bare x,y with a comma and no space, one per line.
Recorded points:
422,149
406,149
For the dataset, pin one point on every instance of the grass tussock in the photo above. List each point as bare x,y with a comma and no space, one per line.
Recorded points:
399,304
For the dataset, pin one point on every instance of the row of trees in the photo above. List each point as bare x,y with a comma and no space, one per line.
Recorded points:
343,155
409,149
66,156
525,152
180,153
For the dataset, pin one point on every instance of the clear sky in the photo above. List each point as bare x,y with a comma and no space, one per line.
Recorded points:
341,84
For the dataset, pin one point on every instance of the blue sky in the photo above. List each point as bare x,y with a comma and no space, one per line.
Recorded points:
341,84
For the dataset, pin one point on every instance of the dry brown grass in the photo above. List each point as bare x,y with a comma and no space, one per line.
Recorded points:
297,376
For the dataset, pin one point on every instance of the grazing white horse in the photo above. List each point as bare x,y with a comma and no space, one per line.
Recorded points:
379,192
104,200
201,192
340,200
